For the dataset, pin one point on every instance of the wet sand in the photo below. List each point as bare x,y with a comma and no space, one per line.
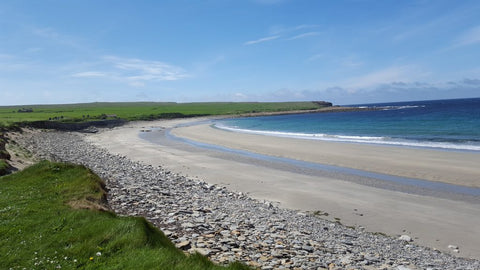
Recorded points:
431,221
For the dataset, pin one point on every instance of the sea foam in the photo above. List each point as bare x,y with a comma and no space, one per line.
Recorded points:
356,139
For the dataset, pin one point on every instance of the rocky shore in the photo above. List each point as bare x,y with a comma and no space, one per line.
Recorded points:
226,226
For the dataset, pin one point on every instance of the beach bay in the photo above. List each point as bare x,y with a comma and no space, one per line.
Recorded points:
432,221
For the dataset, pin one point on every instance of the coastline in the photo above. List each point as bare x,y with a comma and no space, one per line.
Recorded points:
330,109
452,167
434,222
226,225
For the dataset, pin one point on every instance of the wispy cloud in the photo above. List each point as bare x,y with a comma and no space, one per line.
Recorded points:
11,63
469,37
240,96
46,33
5,56
351,62
137,69
306,26
89,74
315,57
388,91
288,30
261,40
286,33
384,76
304,35
136,72
57,37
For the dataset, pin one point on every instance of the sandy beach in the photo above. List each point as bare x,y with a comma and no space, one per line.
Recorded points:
432,221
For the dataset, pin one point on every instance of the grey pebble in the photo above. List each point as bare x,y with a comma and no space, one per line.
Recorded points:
229,226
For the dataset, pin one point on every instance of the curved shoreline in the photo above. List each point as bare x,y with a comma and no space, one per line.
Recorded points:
397,183
451,167
434,222
227,225
444,146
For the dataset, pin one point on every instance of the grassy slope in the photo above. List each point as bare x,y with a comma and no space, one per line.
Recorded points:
3,167
4,155
39,229
143,110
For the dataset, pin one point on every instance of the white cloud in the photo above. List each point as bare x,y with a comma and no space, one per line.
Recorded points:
265,39
51,34
33,50
315,57
386,92
89,74
145,70
306,26
279,31
384,76
351,62
46,33
5,56
10,63
304,35
136,83
469,37
134,72
240,96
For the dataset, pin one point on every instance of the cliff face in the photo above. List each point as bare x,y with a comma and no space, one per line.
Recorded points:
4,155
75,126
323,103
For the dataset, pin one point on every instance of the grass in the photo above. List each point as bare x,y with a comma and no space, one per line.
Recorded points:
4,155
131,111
3,167
51,217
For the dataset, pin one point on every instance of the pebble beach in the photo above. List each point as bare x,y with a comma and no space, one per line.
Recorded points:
227,225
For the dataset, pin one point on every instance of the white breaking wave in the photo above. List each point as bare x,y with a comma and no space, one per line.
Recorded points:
355,139
386,108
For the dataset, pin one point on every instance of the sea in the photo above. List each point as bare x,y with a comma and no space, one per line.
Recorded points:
442,124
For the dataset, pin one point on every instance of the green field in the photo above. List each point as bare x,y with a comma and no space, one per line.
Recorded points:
51,218
141,110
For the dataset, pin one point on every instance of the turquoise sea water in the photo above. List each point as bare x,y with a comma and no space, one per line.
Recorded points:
444,124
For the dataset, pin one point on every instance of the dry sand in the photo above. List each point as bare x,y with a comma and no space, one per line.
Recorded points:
459,168
433,222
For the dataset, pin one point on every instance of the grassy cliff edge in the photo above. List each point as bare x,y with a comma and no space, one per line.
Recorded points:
54,215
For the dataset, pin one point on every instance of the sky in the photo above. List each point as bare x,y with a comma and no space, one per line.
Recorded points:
343,51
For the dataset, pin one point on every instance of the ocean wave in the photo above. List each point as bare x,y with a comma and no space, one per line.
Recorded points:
358,139
389,108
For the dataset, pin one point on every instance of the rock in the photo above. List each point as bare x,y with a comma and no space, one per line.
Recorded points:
228,226
185,245
167,233
405,238
402,267
203,251
90,129
346,260
307,248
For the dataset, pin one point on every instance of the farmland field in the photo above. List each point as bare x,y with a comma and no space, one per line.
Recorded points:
139,110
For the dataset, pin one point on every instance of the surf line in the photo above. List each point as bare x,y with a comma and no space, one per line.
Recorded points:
429,185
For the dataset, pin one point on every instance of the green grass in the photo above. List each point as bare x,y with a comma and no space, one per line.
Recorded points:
9,115
50,218
3,167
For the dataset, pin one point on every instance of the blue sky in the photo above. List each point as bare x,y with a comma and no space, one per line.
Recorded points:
347,52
